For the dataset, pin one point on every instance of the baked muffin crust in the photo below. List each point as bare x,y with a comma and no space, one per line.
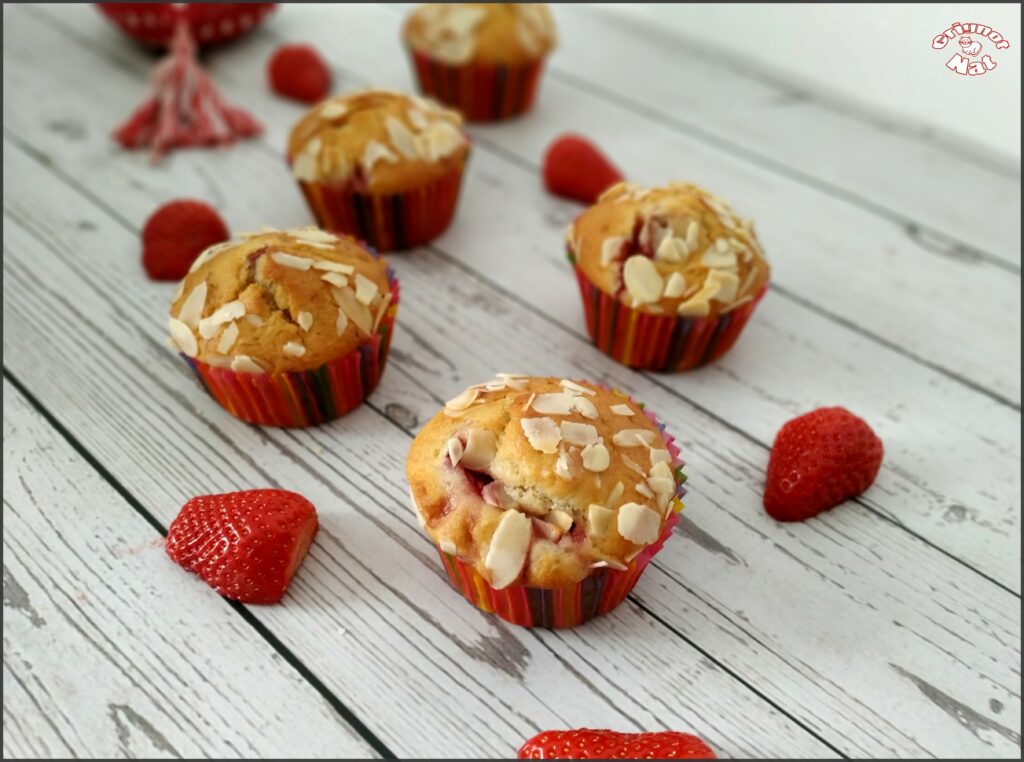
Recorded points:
276,301
507,34
673,250
539,481
378,140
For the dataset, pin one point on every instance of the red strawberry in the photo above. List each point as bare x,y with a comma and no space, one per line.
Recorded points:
177,233
245,545
819,460
609,744
576,169
298,71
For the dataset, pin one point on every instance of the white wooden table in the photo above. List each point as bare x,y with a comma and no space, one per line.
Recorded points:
888,627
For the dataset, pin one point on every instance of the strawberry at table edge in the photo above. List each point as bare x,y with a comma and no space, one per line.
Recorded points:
587,743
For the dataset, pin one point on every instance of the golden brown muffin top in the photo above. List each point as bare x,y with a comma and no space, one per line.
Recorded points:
380,141
282,300
674,250
507,34
539,481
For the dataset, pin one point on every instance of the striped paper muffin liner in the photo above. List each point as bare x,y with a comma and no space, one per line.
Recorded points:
387,221
598,593
483,93
658,342
304,398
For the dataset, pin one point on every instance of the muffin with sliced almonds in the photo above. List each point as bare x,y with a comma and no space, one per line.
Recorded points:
286,327
381,166
669,276
484,59
546,497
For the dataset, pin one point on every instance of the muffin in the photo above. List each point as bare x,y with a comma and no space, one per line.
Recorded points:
669,276
380,166
286,327
546,497
484,59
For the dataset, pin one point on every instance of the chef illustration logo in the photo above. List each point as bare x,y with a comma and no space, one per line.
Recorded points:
977,43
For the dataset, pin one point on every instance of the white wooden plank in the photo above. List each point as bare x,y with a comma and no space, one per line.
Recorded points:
906,173
439,303
951,478
108,650
371,612
903,290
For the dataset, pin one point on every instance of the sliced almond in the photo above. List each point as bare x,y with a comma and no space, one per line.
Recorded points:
480,449
562,470
719,259
447,546
338,280
293,348
675,286
306,167
555,403
341,323
585,407
642,279
228,338
529,402
183,337
610,249
692,231
615,494
254,320
660,470
356,310
291,261
694,308
609,563
245,364
382,308
668,250
547,530
455,450
644,490
632,465
333,110
192,308
661,485
560,519
542,433
335,267
401,137
595,457
366,289
599,520
622,410
660,456
726,284
574,387
507,551
494,493
375,152
638,523
209,254
463,400
633,437
581,434
225,314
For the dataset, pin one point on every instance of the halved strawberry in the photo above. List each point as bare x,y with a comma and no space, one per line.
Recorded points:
245,545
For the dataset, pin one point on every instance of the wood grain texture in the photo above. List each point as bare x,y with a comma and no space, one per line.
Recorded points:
975,518
867,581
109,649
770,657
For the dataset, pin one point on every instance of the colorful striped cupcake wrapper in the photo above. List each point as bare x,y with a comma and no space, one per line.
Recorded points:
658,342
386,221
483,93
598,593
304,398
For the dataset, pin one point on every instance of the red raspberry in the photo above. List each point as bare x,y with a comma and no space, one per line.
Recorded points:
575,168
177,233
298,72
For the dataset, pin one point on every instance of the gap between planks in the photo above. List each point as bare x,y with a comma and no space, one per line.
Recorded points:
264,632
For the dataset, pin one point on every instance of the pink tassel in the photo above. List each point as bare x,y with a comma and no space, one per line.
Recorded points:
182,107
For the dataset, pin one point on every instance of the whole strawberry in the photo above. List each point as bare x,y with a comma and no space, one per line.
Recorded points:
177,233
298,72
609,744
245,545
575,168
819,460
